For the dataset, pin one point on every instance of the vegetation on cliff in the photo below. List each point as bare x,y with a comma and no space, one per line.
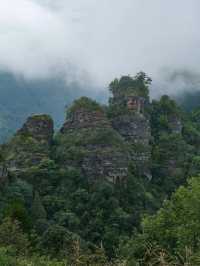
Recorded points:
110,188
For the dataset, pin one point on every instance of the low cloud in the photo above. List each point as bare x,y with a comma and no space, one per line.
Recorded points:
98,40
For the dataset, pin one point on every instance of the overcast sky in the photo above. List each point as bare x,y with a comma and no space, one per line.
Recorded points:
101,39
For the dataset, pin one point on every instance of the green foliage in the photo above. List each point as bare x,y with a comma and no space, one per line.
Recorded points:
172,151
38,211
92,136
191,134
11,235
127,85
174,229
8,258
171,157
161,113
84,103
74,146
52,214
56,239
124,88
18,190
16,210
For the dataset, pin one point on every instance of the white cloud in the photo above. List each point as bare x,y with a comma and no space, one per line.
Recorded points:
106,38
33,39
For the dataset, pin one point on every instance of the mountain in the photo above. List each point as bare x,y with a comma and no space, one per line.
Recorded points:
78,195
184,87
20,98
189,100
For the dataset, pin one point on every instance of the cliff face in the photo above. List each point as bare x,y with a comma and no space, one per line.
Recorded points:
99,150
103,142
134,126
135,129
39,127
175,124
31,143
100,147
84,119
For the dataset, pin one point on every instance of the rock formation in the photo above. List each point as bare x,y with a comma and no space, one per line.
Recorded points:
175,124
134,126
103,150
31,143
83,118
39,127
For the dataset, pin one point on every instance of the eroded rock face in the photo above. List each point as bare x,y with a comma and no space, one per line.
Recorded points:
175,124
40,127
106,163
133,127
135,103
83,118
31,144
101,158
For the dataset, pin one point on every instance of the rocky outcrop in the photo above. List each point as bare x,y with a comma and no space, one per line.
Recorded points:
103,150
134,126
136,131
83,118
39,127
105,163
135,103
175,124
31,144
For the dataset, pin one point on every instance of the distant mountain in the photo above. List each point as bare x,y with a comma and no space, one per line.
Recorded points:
184,87
189,100
20,98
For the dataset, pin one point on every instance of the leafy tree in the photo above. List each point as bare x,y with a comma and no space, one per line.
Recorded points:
161,113
56,240
12,235
84,103
16,211
174,229
138,84
38,211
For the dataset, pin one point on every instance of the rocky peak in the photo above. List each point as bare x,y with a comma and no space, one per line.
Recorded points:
91,133
31,144
83,118
131,92
39,127
85,113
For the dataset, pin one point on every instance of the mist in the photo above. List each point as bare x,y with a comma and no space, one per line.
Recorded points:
96,41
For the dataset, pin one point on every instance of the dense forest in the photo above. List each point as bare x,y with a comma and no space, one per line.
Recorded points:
118,184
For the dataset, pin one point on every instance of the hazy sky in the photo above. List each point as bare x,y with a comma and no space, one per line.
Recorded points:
105,39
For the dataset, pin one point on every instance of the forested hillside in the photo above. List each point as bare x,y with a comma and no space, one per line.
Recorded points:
118,184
